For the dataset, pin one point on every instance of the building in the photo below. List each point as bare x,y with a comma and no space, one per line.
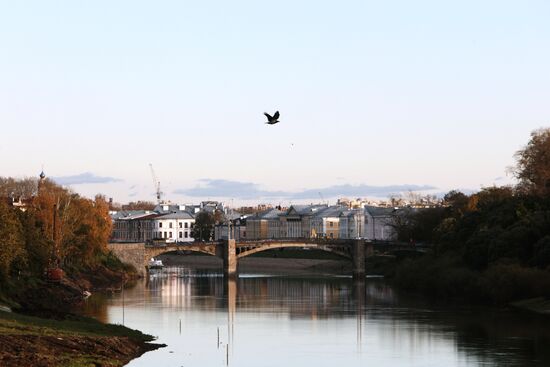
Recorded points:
264,225
174,223
379,223
146,225
173,227
18,203
296,221
133,226
352,224
325,222
307,221
238,229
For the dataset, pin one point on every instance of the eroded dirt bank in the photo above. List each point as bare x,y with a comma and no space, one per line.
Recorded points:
74,341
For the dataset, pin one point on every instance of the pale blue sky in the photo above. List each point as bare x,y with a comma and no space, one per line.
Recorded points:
378,93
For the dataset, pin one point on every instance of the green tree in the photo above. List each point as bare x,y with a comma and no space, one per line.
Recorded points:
204,226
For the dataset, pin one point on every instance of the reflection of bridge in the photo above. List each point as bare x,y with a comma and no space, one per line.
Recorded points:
138,254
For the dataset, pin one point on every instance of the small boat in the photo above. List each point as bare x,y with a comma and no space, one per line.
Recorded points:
155,264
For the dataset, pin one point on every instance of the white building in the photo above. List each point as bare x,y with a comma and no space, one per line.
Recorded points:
174,227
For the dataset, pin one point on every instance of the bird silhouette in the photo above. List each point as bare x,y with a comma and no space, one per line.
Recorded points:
271,120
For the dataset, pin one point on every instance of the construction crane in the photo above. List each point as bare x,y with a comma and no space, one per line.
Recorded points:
156,184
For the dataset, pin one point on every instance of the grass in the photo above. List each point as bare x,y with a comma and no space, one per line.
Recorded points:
18,324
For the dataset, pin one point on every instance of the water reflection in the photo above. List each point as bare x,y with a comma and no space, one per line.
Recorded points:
207,320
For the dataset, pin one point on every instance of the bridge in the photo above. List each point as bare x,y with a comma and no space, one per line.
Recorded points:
230,251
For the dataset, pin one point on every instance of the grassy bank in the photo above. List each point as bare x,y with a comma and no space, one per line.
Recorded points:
445,277
72,341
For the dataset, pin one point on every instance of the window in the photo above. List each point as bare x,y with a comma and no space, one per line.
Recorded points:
164,235
160,224
170,234
186,235
181,234
185,225
170,224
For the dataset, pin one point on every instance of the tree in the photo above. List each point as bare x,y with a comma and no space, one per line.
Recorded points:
139,205
533,164
25,188
12,244
203,227
457,201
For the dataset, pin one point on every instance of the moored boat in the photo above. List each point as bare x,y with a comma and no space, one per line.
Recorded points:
155,264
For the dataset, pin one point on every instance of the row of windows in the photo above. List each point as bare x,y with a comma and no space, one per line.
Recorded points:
181,225
169,234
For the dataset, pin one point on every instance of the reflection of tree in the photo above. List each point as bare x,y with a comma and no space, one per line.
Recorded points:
494,338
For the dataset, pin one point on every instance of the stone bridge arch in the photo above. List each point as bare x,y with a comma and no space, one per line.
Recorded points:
247,250
139,254
156,251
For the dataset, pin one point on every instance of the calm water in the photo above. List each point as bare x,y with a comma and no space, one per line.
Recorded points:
280,321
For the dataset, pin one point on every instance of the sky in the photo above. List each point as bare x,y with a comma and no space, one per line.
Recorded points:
376,97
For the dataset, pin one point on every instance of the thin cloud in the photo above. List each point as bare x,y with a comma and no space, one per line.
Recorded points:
84,178
232,189
360,190
249,190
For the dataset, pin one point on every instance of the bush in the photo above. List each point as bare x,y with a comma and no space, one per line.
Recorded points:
510,282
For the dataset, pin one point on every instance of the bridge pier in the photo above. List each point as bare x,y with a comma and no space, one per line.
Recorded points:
359,251
229,256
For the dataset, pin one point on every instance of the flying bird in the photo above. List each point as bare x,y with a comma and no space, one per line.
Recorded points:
271,120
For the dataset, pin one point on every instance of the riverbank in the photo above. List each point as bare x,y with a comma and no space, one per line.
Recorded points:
72,341
44,332
264,265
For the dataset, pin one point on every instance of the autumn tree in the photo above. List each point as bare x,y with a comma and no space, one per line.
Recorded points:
533,164
79,228
139,205
12,245
25,188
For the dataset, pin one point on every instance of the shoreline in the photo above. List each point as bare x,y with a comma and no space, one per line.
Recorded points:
263,265
38,326
73,341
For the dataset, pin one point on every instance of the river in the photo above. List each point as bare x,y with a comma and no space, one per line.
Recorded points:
260,320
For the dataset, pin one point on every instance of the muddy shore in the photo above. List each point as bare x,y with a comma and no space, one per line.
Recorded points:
45,333
264,265
74,341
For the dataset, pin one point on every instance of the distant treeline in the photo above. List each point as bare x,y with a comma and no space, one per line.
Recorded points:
491,246
50,226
